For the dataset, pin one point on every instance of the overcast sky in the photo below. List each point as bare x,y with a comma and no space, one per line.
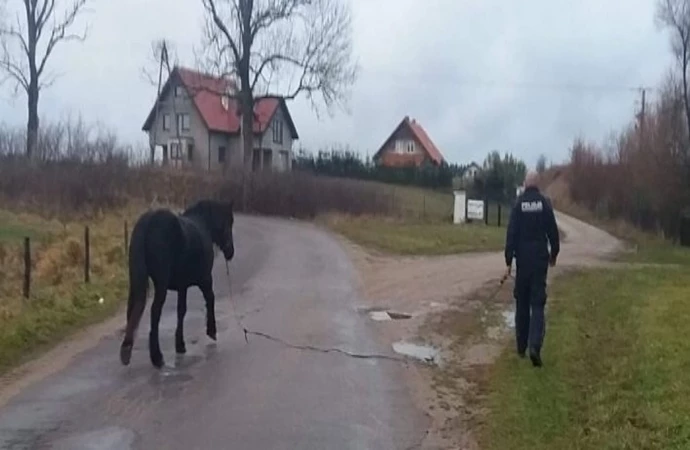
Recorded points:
479,75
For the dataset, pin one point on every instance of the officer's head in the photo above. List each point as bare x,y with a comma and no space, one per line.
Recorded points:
531,179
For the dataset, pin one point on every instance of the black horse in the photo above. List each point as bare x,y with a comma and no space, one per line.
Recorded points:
176,252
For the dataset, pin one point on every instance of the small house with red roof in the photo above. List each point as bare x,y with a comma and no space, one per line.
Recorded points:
408,145
196,122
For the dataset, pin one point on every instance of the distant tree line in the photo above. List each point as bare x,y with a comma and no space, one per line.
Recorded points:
496,180
349,164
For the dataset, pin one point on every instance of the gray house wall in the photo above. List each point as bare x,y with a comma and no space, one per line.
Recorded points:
171,105
207,143
275,147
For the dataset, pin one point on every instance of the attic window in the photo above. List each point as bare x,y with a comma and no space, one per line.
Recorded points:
179,91
409,146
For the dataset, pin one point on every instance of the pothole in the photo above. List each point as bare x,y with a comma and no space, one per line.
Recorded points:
425,353
399,315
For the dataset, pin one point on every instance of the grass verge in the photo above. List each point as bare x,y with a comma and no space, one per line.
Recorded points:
417,238
616,353
60,301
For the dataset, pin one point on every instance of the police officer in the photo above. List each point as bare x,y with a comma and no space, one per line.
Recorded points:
532,223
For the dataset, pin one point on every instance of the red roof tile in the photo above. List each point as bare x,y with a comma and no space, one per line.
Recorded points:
421,135
207,92
426,141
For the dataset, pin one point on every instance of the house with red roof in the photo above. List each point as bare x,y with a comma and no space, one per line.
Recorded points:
408,145
196,123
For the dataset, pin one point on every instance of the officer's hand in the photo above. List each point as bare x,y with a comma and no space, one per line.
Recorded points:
552,262
507,274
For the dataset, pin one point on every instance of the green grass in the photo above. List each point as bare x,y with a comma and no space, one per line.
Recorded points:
421,204
419,238
60,302
617,354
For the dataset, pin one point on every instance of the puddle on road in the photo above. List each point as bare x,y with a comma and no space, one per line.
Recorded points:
379,316
422,352
382,316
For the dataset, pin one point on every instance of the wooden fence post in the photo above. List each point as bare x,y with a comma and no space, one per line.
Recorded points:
126,239
486,211
499,214
27,267
87,254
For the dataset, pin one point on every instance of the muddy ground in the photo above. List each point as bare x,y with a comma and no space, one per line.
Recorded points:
456,306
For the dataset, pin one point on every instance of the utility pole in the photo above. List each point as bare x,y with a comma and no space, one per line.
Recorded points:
641,115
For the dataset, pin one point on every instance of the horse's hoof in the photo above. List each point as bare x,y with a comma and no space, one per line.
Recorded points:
181,348
211,330
125,354
157,360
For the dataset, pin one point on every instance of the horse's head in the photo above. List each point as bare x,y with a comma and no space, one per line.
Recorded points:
219,220
222,229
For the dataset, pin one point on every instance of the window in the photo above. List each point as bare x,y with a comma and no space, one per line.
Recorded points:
166,121
175,154
409,146
174,150
179,91
267,163
190,152
221,154
182,122
277,131
398,146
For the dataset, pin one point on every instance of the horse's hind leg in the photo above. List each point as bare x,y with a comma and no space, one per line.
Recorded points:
210,299
156,310
180,346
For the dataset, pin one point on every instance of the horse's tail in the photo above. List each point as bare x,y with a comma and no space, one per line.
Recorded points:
138,286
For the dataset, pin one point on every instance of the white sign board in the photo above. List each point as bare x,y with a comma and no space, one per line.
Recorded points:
475,209
459,206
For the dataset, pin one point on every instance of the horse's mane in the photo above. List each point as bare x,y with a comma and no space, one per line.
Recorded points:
205,208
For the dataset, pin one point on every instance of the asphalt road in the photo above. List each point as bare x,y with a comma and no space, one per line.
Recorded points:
287,279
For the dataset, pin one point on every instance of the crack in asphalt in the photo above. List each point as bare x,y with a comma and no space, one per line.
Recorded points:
327,349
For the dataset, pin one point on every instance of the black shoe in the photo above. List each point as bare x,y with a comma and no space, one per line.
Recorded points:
535,358
521,354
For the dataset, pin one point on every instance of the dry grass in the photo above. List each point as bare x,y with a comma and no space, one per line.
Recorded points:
60,301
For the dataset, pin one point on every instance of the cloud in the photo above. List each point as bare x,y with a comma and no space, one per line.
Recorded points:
524,77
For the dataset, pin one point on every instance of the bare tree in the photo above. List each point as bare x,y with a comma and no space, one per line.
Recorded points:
541,163
27,44
303,46
675,14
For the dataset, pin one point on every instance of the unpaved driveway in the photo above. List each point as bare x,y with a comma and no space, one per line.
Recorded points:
290,280
450,300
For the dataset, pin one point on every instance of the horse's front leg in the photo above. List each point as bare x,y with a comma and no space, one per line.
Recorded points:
210,299
156,310
180,346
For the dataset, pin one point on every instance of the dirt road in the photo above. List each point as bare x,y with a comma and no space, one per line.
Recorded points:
292,281
458,309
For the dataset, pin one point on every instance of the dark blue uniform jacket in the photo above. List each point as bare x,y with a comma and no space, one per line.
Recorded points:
532,223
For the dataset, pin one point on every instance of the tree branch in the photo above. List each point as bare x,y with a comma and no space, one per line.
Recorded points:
210,6
59,31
